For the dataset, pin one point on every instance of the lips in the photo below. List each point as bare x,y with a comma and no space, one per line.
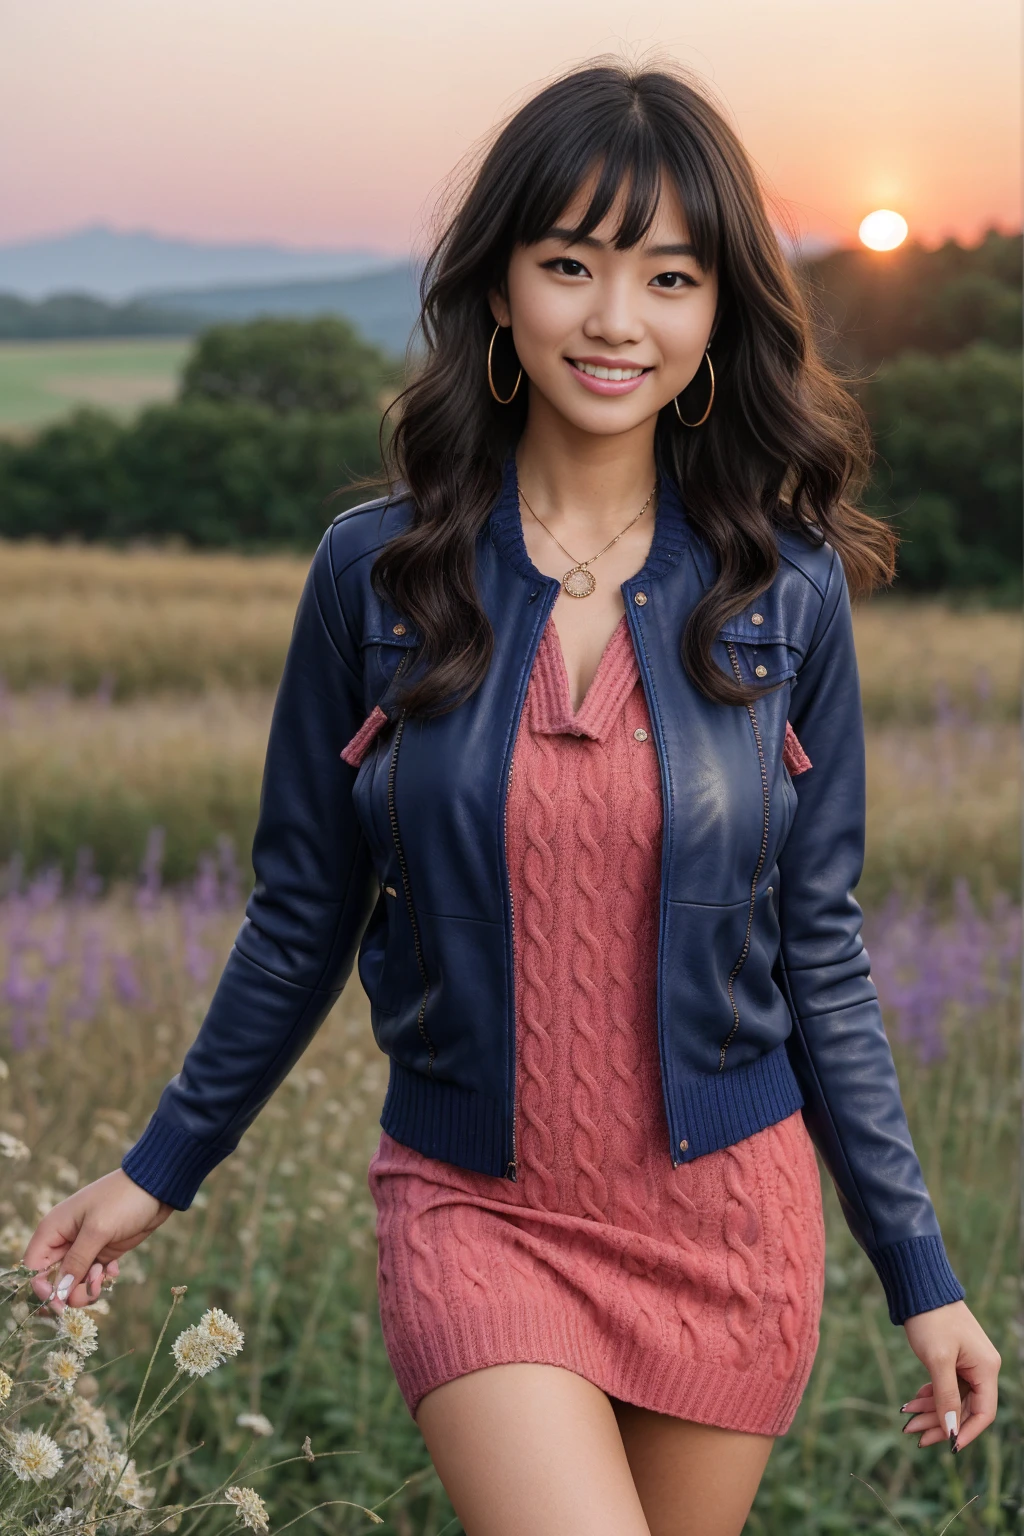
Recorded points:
607,377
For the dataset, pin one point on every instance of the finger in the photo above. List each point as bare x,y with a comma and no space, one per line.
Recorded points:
94,1281
113,1269
922,1400
48,1245
75,1266
947,1404
980,1406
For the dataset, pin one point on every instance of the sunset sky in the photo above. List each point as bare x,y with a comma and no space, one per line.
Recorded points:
333,123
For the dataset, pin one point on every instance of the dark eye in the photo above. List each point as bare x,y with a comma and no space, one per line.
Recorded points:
672,280
565,266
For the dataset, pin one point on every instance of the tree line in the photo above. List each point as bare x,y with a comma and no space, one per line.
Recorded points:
275,428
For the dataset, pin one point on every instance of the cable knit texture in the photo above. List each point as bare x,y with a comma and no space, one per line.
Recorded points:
693,1290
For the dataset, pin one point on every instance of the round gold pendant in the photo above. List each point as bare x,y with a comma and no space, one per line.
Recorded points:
579,582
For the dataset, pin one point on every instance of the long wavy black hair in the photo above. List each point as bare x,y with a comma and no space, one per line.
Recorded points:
785,446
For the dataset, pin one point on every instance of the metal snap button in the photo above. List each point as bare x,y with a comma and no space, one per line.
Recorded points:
761,671
771,888
398,629
757,618
640,599
390,890
639,734
683,1144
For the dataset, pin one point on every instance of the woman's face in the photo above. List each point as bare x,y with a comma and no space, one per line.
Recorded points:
581,310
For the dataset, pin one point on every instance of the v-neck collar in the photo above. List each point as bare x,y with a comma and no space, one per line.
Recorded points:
549,698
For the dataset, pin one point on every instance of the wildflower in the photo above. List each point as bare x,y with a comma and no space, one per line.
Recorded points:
249,1507
97,1464
86,1415
80,1331
14,1237
257,1422
196,1352
63,1367
33,1457
6,1387
130,1488
224,1331
11,1147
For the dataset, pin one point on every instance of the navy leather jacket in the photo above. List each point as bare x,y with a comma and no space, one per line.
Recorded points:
764,998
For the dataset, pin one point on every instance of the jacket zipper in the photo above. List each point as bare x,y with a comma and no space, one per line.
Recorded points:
512,1168
393,816
760,863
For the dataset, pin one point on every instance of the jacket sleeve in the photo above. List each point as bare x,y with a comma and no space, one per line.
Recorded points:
838,1046
312,898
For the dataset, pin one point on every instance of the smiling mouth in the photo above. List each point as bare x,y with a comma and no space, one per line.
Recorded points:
613,375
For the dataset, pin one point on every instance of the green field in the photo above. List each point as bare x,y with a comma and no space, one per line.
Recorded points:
43,380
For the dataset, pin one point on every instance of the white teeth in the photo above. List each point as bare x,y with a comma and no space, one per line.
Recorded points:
597,372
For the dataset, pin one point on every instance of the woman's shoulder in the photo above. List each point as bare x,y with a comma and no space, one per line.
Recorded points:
360,533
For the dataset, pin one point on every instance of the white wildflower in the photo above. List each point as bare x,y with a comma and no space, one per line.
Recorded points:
97,1464
80,1331
6,1387
257,1422
130,1488
33,1457
14,1238
74,1439
63,1367
249,1507
86,1415
196,1352
223,1330
11,1147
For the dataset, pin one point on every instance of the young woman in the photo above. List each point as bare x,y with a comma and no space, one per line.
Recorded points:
569,747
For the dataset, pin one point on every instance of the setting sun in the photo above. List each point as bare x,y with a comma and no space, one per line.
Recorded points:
883,230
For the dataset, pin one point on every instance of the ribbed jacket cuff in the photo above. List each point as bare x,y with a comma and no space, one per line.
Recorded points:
916,1276
171,1163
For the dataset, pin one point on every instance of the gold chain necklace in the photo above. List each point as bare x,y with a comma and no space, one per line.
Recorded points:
579,580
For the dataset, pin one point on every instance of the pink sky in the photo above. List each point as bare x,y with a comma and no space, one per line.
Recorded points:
331,123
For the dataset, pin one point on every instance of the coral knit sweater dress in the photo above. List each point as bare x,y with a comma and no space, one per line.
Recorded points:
693,1290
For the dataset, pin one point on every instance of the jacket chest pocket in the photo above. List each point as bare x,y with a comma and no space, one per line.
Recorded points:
759,649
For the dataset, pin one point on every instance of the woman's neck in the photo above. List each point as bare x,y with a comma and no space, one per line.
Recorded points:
580,476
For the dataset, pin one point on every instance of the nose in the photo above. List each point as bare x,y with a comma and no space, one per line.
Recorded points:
614,316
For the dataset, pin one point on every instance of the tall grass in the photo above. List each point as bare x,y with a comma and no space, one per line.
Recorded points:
129,622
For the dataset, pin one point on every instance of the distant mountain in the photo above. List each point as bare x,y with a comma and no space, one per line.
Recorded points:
383,304
115,264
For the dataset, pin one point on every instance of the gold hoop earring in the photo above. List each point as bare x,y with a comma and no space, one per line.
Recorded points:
711,401
490,375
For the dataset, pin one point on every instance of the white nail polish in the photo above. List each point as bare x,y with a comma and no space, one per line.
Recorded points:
951,1422
64,1287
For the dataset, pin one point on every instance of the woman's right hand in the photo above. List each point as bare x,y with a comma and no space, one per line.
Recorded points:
86,1234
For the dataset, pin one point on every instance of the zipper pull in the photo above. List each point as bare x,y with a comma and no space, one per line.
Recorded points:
515,1171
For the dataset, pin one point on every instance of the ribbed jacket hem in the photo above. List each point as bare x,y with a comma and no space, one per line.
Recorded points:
170,1163
718,1109
459,1126
916,1276
445,1121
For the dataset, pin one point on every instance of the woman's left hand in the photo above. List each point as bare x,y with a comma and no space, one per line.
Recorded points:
963,1365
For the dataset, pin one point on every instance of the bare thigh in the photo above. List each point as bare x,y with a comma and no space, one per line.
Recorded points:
692,1479
531,1450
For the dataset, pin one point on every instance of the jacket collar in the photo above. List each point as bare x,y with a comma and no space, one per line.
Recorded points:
672,532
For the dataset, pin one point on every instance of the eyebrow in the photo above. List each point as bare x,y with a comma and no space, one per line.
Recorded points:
571,238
